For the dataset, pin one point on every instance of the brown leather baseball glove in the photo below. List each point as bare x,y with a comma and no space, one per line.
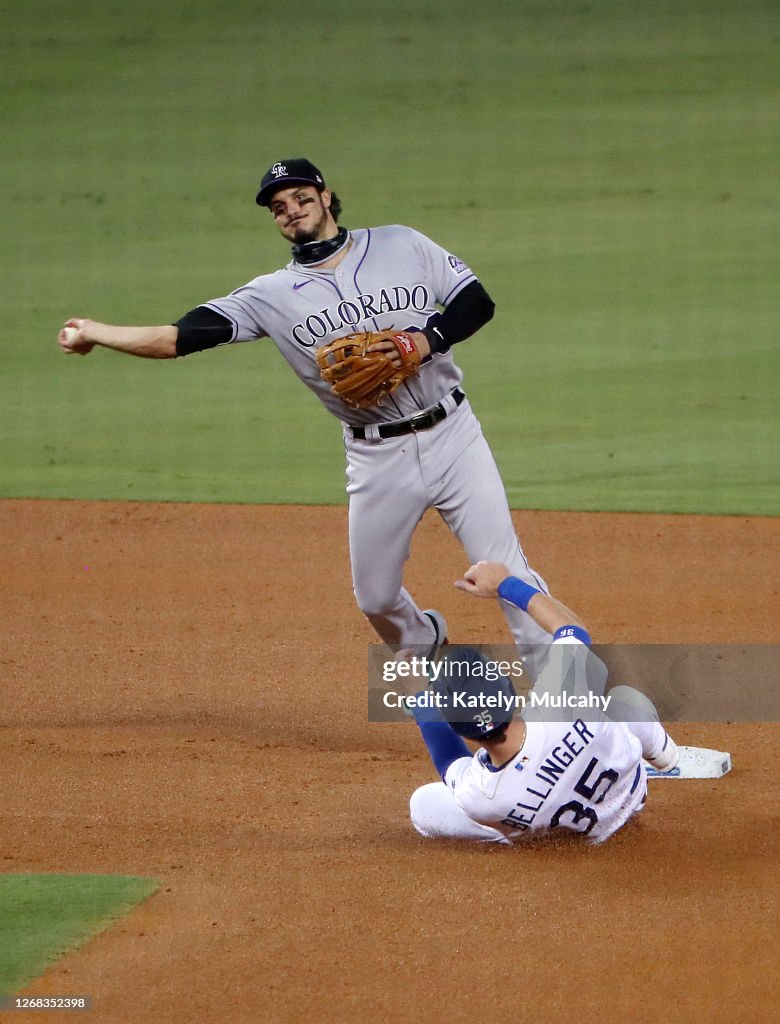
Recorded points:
361,378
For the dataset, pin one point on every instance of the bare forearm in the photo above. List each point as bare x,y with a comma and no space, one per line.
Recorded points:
485,579
149,342
79,336
551,614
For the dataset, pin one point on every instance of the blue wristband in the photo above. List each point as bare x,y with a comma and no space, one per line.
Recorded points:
516,592
577,632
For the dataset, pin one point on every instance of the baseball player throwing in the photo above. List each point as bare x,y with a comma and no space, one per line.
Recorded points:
411,444
533,776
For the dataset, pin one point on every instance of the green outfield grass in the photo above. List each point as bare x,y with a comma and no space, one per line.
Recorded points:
42,917
609,169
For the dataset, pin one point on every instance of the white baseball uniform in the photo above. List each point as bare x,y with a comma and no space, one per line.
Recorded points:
392,277
583,776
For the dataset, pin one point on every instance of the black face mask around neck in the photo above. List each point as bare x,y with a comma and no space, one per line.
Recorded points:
310,253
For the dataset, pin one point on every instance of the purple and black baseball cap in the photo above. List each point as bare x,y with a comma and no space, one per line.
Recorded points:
285,173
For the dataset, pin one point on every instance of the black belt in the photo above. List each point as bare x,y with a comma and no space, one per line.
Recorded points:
422,421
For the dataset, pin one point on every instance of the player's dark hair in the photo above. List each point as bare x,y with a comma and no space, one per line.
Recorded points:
499,733
335,206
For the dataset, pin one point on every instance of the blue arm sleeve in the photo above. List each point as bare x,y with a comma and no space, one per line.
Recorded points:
443,743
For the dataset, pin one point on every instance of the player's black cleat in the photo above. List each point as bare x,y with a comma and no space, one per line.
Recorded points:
440,626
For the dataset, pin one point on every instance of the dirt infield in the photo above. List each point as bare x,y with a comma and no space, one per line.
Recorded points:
184,697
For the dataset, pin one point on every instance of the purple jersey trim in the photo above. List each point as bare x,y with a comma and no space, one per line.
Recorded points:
363,257
458,287
334,286
357,270
531,573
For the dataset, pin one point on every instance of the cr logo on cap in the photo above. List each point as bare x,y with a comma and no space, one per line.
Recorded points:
279,171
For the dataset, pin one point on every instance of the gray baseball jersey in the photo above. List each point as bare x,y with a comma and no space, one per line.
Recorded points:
391,277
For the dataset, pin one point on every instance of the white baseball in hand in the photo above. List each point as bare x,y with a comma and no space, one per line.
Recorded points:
69,333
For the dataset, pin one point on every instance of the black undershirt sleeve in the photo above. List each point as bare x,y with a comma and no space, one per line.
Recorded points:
469,310
202,328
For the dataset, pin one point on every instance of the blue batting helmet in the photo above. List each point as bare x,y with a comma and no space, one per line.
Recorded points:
478,700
